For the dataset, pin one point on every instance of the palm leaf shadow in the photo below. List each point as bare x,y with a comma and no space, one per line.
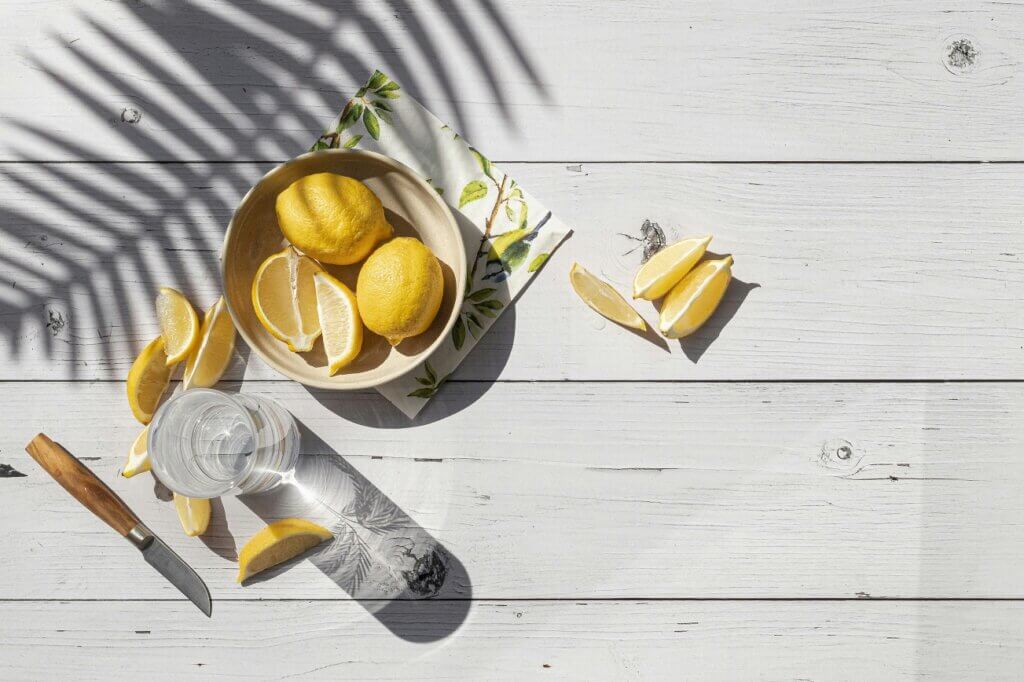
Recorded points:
82,274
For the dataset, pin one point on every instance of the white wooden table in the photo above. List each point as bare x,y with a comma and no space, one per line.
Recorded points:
825,484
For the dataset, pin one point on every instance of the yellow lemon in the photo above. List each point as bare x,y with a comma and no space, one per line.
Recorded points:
691,302
339,321
179,324
277,543
604,299
212,354
194,514
284,298
332,218
399,289
665,268
138,456
148,379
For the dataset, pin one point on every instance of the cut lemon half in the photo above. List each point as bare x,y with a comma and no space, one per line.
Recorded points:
339,321
284,298
600,296
277,543
194,514
212,354
148,379
691,302
179,324
138,456
665,268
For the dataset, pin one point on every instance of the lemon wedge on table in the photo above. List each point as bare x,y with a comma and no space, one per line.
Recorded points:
138,456
212,354
665,268
603,298
694,299
148,379
194,514
284,298
179,324
339,321
277,543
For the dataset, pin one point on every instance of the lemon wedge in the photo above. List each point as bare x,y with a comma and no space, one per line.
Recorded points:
600,296
138,456
339,321
179,324
665,268
691,302
194,514
284,297
148,379
212,354
277,543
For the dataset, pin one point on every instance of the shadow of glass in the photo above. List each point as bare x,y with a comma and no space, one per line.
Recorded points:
379,555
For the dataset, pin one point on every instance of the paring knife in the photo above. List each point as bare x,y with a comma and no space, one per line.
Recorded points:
88,489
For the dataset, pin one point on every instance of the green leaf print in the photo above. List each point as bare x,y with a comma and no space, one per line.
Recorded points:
481,294
483,162
381,104
372,124
522,215
422,393
459,333
515,254
474,190
509,213
352,141
430,372
377,80
538,262
492,304
351,115
390,86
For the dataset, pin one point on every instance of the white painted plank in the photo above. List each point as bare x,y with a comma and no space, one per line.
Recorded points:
579,491
531,80
865,271
514,641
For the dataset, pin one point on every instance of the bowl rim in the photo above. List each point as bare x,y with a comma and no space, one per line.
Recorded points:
458,268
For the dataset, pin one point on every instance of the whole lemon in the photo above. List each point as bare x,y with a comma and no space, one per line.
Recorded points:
399,289
332,218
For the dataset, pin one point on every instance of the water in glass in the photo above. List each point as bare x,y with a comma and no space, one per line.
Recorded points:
205,443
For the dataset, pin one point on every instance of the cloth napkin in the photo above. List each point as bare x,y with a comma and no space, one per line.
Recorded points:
508,233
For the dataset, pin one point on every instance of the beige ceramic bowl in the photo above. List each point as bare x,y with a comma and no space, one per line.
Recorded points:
411,206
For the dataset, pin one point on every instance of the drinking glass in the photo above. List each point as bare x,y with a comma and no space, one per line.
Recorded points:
205,443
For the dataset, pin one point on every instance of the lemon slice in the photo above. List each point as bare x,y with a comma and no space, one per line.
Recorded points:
691,302
194,514
284,298
277,543
212,354
665,268
138,456
339,321
148,379
179,324
600,296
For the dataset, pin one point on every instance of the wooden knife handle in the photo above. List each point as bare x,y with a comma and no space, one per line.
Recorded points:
83,484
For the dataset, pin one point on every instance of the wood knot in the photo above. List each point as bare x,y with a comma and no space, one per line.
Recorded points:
959,55
130,115
838,454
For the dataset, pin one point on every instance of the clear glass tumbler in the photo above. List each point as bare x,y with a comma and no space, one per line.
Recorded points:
205,443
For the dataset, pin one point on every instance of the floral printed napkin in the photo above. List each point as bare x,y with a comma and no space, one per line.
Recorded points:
508,234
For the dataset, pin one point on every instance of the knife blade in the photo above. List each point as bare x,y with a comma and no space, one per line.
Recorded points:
94,494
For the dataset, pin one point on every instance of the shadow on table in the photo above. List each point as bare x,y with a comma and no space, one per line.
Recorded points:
695,345
370,408
379,555
210,84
